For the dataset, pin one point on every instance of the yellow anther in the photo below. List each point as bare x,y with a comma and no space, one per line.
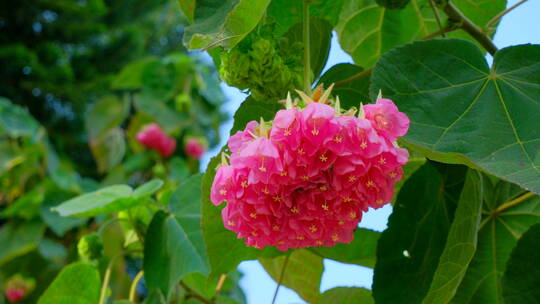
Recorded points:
254,233
341,222
382,160
301,151
347,199
318,242
352,178
283,173
379,202
277,198
335,237
222,191
294,210
265,191
300,237
315,132
392,174
323,158
352,214
253,215
287,132
370,183
363,145
280,242
325,207
275,228
231,223
244,184
338,139
262,169
312,228
323,188
304,177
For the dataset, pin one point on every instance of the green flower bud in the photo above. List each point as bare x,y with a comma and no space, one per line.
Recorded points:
90,247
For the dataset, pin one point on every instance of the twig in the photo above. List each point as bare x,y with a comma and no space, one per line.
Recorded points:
281,277
514,202
220,283
107,277
437,17
454,14
501,14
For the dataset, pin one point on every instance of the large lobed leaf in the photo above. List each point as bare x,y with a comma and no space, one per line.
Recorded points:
347,295
462,111
19,238
522,275
408,251
461,243
499,232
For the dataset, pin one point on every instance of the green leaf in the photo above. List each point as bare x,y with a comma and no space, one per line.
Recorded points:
366,30
19,238
461,243
107,113
168,119
58,224
522,274
287,13
16,121
109,149
408,251
303,273
361,250
76,284
252,109
499,232
223,23
320,33
225,251
148,188
462,111
107,200
160,80
392,4
174,249
352,93
130,77
347,295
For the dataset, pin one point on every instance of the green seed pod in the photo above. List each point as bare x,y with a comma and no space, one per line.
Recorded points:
90,247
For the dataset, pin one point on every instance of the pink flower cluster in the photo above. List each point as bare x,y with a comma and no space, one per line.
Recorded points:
307,181
153,137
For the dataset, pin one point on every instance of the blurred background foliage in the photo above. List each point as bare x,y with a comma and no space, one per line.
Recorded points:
78,80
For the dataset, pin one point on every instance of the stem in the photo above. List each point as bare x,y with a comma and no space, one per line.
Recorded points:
133,288
501,14
437,16
514,202
454,14
442,31
281,277
220,283
107,278
307,59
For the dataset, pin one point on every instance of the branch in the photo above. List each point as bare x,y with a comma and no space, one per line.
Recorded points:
501,14
442,31
454,14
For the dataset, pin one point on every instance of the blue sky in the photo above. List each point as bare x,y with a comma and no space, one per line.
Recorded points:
520,26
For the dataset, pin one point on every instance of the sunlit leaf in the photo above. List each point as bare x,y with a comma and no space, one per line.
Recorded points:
106,200
76,284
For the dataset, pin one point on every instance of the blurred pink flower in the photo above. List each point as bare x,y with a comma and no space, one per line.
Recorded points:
153,137
15,294
309,182
195,148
